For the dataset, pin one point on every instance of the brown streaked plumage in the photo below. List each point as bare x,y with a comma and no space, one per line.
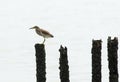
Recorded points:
45,34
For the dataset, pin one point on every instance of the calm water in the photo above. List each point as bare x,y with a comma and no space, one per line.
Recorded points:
74,24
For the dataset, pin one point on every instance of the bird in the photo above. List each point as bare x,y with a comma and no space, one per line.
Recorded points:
44,33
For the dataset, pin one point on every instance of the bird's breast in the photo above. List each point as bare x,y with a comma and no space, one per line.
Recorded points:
38,32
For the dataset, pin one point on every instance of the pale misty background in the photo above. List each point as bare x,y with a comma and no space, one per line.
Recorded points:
74,23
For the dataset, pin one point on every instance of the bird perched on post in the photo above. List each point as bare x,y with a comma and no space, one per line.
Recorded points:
45,34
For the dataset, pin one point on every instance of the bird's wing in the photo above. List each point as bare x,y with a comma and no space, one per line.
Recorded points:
46,32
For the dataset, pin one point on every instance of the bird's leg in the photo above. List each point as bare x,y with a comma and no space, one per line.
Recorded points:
44,41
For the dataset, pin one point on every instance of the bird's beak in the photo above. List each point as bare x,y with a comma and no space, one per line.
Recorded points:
32,28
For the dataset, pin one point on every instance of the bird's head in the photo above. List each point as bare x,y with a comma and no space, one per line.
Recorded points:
35,27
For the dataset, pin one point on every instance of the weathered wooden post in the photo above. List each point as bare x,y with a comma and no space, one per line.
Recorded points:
64,67
96,60
112,59
40,63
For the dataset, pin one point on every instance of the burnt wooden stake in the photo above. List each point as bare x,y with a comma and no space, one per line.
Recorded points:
96,60
40,63
64,67
112,59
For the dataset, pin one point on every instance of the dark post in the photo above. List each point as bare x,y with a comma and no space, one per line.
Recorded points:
96,60
112,59
40,63
64,68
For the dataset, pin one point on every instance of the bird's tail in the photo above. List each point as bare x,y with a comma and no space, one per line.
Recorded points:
51,35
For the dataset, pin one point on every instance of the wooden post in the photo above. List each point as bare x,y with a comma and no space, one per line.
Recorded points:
40,63
64,67
96,60
112,59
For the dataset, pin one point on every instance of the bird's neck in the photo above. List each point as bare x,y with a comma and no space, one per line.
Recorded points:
38,30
